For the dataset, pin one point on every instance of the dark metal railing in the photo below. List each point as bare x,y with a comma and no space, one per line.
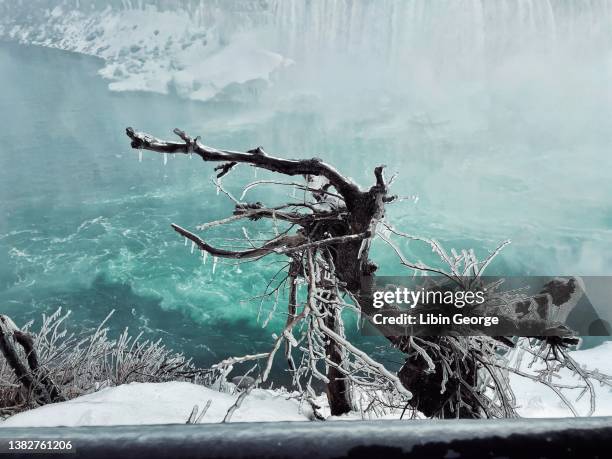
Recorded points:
511,438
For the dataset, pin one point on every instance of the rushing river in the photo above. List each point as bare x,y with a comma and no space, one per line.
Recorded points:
84,225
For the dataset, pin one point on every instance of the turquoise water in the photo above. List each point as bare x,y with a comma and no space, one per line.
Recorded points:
84,225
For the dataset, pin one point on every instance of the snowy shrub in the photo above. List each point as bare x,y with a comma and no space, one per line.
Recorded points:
63,366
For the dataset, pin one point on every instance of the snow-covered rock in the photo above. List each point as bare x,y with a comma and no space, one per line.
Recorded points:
163,403
195,52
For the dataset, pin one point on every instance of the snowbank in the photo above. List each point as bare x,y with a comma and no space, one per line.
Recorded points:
153,50
169,403
163,403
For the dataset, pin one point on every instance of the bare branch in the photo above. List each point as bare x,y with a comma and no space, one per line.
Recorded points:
258,158
280,245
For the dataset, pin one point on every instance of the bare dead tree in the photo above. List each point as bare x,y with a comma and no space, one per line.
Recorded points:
331,232
326,237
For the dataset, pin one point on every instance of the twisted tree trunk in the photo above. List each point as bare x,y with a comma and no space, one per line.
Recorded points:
346,231
34,379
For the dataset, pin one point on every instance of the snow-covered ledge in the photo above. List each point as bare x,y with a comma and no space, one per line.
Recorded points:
160,403
173,402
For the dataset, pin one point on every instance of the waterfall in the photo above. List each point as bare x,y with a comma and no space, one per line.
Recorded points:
462,35
393,29
401,41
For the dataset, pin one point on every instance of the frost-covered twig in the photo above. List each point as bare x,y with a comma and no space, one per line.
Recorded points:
77,364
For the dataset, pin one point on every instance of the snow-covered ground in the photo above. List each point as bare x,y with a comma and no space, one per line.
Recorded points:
169,403
163,403
149,49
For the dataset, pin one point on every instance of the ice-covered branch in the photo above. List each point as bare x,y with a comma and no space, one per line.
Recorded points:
280,245
256,157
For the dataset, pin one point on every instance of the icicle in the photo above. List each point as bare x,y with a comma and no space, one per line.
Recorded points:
185,242
165,158
215,259
204,256
139,155
362,247
275,223
192,246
